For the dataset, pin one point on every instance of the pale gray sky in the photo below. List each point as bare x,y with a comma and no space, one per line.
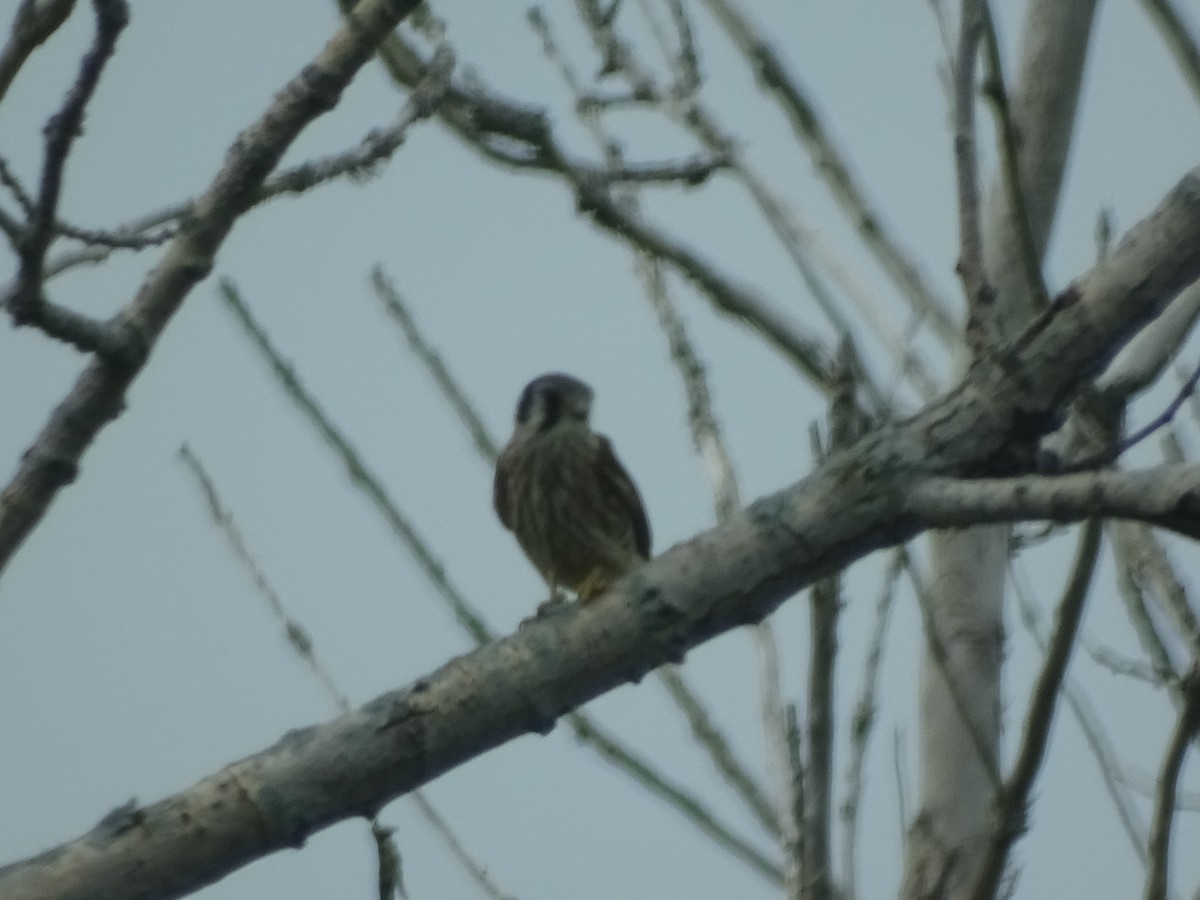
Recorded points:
136,658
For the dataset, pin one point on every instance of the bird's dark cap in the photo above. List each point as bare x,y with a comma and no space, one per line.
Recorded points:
553,383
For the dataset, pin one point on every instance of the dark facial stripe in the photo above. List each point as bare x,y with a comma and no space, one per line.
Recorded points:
552,408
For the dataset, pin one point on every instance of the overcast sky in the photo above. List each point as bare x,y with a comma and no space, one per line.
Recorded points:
136,657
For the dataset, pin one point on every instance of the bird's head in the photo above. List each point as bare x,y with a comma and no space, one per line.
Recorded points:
553,401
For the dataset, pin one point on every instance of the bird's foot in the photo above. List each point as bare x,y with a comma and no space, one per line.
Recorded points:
556,599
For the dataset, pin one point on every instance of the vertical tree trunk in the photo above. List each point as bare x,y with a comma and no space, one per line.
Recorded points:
960,680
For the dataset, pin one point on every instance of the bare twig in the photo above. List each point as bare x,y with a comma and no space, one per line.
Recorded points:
786,778
297,636
1089,723
130,231
1104,232
966,167
96,237
1128,540
1162,420
61,130
478,873
376,147
805,352
862,724
845,426
25,301
1145,784
825,608
800,242
521,137
360,475
793,848
386,291
1186,729
391,871
1123,666
1144,560
1181,42
390,875
1010,165
1155,569
710,445
9,179
718,748
945,67
1011,804
806,122
706,436
687,60
32,25
113,240
702,421
684,801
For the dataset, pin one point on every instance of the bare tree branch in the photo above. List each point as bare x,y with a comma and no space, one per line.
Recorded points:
396,308
806,122
98,237
966,167
1150,563
477,872
969,565
25,300
519,137
862,725
1010,165
294,632
1186,730
1181,42
845,425
719,749
360,473
1128,538
1167,496
710,446
1010,812
376,147
32,25
98,395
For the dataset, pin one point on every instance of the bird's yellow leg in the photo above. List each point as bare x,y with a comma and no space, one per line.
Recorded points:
596,583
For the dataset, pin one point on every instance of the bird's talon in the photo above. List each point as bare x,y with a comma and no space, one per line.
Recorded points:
556,599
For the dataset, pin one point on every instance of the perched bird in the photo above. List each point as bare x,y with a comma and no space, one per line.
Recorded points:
560,489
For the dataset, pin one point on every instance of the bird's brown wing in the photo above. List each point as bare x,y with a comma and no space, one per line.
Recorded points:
618,483
500,492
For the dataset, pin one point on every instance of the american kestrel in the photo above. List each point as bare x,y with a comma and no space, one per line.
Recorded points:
560,489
